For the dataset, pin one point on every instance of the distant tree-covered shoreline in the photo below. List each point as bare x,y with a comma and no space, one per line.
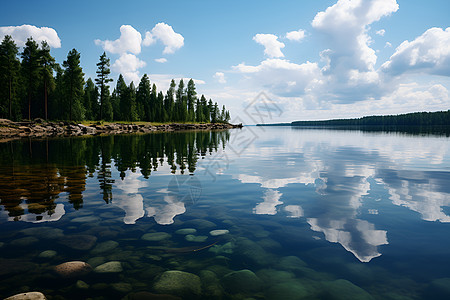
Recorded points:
35,86
417,119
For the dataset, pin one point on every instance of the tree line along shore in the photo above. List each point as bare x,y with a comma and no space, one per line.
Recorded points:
35,86
417,119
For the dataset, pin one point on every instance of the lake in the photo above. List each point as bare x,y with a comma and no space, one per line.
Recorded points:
256,213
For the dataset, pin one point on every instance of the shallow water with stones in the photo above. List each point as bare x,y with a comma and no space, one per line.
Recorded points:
257,213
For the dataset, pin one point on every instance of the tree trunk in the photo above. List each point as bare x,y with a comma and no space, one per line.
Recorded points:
10,98
45,98
29,105
101,102
70,104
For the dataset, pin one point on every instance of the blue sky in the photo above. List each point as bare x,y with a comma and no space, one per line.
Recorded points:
312,59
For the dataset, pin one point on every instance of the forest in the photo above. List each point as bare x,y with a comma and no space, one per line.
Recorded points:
35,86
418,119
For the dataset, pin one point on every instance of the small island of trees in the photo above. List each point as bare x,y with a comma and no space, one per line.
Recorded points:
38,87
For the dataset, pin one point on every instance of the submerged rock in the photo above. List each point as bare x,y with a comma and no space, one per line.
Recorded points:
243,281
253,252
148,296
287,291
200,224
218,232
271,276
109,267
44,232
156,236
24,242
96,261
342,289
79,241
15,266
185,231
122,287
104,247
179,283
291,263
47,254
226,248
198,239
211,285
28,296
73,269
87,219
82,285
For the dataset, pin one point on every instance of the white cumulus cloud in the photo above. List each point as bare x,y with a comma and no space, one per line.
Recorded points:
346,24
164,33
380,32
20,34
128,65
296,35
220,77
161,60
129,41
282,76
272,47
428,53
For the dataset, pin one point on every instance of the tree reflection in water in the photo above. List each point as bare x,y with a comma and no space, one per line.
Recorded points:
34,173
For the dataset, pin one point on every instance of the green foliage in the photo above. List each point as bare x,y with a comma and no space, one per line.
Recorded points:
90,100
37,86
9,79
47,67
102,81
30,73
191,100
73,79
143,99
419,119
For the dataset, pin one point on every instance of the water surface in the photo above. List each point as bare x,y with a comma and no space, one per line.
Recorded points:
311,214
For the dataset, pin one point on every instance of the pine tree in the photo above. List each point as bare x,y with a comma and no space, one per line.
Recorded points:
169,101
211,111
57,102
180,110
191,100
227,117
223,114
153,104
91,100
160,107
47,67
198,111
74,82
205,109
143,99
102,80
130,97
30,70
122,105
9,67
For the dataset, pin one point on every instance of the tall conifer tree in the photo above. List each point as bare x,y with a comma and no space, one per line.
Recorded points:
9,67
102,80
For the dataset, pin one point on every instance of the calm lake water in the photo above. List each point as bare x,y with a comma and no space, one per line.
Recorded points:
303,214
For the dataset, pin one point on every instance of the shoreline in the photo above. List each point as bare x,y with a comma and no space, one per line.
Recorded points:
41,128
